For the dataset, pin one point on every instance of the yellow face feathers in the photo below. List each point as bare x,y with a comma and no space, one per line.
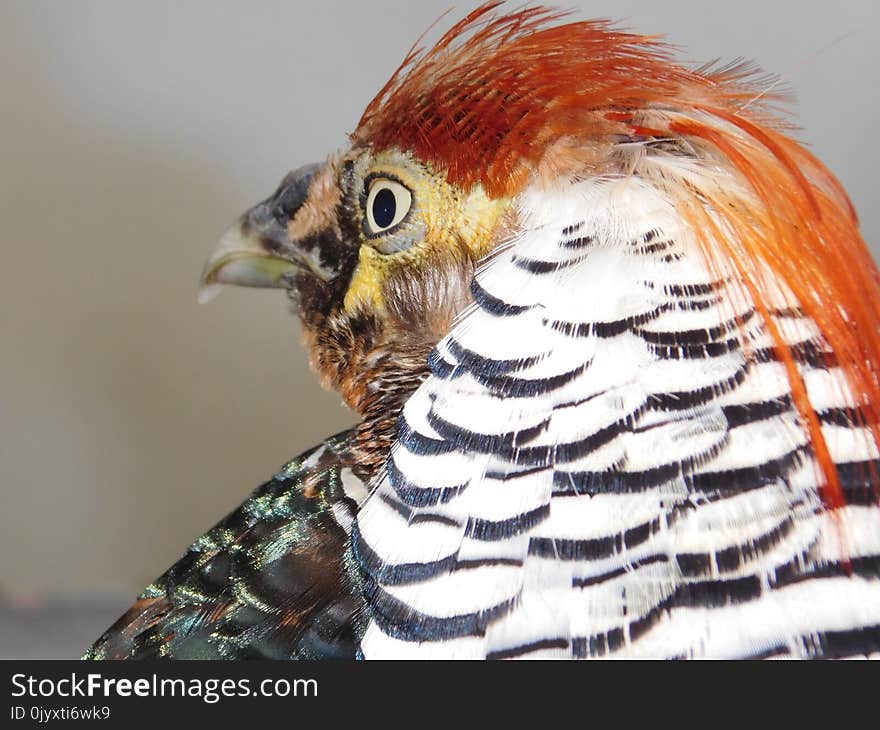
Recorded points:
410,217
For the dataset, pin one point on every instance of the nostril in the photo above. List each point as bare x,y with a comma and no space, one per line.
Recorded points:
286,204
292,193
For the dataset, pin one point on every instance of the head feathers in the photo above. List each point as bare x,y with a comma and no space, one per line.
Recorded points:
496,92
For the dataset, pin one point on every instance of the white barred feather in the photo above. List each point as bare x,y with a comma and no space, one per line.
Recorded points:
607,462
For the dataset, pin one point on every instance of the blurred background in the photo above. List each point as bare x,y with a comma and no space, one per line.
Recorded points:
131,134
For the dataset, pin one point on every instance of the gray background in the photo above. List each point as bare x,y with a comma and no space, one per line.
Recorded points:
131,133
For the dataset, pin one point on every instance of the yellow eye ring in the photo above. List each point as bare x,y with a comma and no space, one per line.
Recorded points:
388,202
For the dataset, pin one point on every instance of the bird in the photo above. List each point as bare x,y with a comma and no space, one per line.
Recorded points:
613,338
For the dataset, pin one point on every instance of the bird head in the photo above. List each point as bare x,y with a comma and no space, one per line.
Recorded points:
377,246
376,249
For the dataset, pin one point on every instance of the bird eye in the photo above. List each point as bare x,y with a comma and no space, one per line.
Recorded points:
388,202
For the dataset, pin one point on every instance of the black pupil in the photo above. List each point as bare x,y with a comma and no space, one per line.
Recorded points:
384,208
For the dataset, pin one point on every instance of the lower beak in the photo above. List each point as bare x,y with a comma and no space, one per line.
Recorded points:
241,258
256,250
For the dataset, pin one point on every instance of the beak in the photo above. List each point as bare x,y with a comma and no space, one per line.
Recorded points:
256,250
241,259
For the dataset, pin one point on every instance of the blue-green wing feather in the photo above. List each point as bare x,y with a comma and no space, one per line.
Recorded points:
274,579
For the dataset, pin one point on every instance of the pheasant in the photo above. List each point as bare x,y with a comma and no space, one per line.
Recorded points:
612,336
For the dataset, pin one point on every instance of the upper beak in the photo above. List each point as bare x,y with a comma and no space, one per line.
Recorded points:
256,250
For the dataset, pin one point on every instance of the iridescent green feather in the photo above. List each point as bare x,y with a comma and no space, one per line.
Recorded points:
271,580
